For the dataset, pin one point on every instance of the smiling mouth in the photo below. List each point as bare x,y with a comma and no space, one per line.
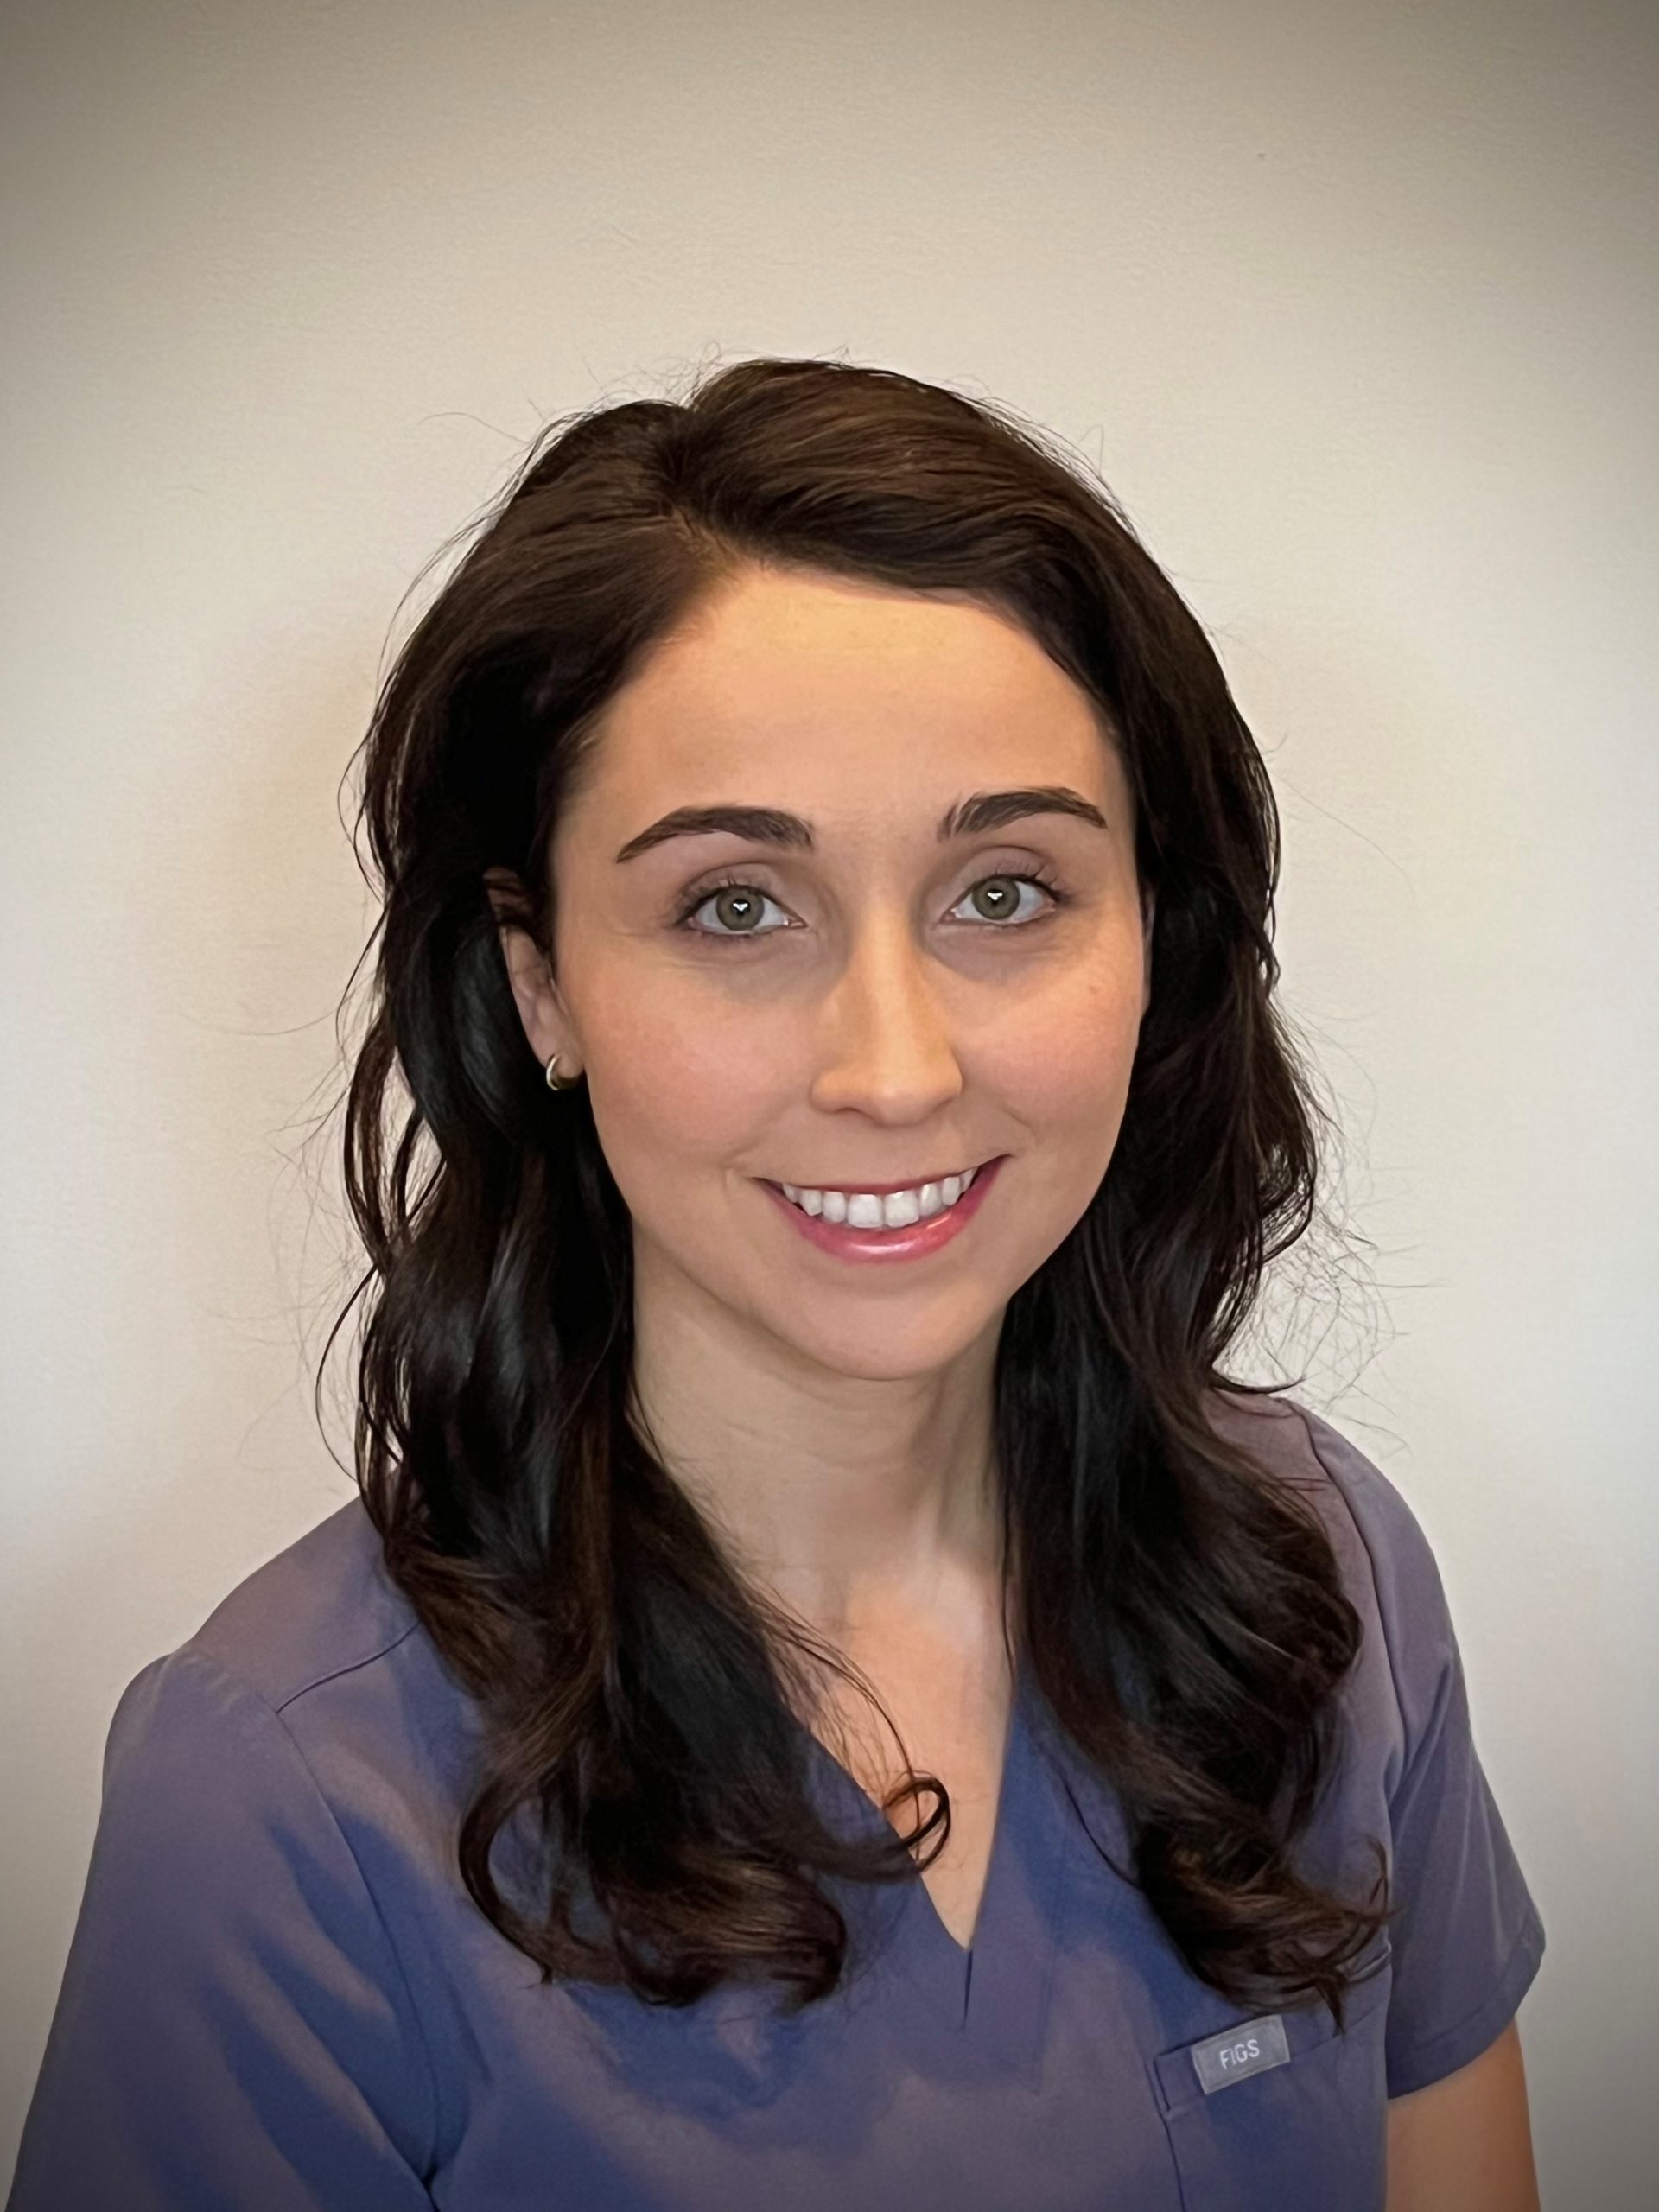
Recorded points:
879,1191
887,1207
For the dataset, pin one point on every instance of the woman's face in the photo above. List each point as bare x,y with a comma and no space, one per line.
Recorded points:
837,995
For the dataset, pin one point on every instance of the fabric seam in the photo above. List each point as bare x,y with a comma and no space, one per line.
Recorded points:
318,1682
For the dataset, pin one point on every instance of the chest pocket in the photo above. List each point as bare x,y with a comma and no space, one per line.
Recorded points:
1301,2135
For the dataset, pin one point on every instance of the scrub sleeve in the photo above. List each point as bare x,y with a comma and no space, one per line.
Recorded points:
233,2029
1469,1939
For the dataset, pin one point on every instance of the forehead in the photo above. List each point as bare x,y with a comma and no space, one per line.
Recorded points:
794,689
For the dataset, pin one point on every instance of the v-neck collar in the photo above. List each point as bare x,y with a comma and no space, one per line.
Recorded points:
995,1992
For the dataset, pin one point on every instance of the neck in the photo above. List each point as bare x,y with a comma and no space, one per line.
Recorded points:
852,1499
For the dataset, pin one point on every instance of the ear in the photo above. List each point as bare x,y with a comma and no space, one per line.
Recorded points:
546,1021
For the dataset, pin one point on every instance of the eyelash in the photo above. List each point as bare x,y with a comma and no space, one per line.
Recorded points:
707,891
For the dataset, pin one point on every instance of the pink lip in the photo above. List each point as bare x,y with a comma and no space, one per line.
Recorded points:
911,1244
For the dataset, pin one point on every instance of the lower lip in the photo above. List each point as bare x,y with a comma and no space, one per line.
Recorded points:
914,1242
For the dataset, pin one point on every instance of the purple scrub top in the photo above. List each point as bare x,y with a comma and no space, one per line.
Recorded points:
281,1998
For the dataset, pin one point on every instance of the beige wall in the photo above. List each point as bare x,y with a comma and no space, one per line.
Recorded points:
1355,306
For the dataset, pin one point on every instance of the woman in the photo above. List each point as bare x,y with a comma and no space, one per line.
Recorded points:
828,894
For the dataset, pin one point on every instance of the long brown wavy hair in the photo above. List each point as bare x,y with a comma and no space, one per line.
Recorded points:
640,1697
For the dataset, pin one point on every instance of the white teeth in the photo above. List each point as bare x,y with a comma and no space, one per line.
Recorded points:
898,1209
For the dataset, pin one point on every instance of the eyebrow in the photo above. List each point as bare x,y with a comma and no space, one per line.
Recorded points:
769,825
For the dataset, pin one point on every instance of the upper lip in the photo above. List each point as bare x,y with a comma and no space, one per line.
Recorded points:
879,1189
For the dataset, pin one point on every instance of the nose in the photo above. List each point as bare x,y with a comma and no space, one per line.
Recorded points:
888,1048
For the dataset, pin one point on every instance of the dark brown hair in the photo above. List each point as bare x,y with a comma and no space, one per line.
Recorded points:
640,1698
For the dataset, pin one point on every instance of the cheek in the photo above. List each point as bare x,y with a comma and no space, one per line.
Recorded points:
682,1077
1062,1062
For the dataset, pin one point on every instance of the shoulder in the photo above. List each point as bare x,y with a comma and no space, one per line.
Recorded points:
239,1987
307,1734
1376,1534
323,1607
313,1674
1409,1663
1465,1937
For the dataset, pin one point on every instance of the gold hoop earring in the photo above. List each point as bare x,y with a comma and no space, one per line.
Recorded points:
558,1083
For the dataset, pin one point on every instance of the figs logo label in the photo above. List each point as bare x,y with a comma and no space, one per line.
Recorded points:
1236,2052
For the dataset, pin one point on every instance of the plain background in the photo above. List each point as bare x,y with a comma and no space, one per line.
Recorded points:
1355,308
